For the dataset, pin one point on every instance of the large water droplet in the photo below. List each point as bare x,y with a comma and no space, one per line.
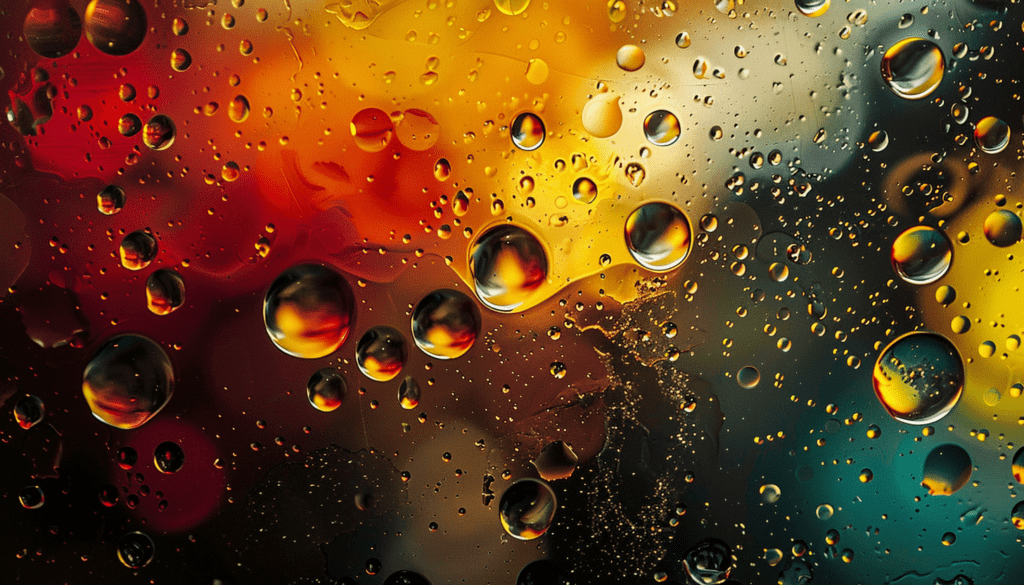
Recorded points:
661,127
527,508
527,131
165,291
115,27
921,255
381,353
946,469
138,249
168,457
135,550
508,265
1002,228
32,497
326,389
445,324
308,310
238,109
29,411
372,129
159,133
127,381
919,377
658,236
748,377
992,135
630,57
913,68
110,200
52,28
709,562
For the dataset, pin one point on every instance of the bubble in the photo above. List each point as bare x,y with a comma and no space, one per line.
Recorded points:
238,109
511,7
168,457
556,461
52,28
658,236
115,27
29,411
406,578
528,131
992,135
1002,228
308,310
913,68
165,291
878,140
138,249
129,125
127,381
126,458
181,60
159,133
946,469
445,324
409,393
135,550
748,377
417,130
770,493
709,562
921,255
326,389
602,116
919,377
32,497
824,511
630,57
584,190
381,353
372,129
661,128
813,8
527,508
508,264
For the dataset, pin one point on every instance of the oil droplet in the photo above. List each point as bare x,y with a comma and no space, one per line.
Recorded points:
1002,228
168,457
127,381
658,236
129,125
165,291
181,60
866,475
52,28
824,511
945,295
442,170
110,200
921,255
326,389
527,508
919,377
878,140
381,353
709,562
511,7
630,57
409,393
748,377
683,40
417,130
770,493
913,68
135,550
960,324
372,129
813,8
32,497
137,250
661,128
556,461
992,135
584,190
445,324
602,116
946,469
159,132
179,26
308,310
115,27
29,411
126,458
238,109
527,131
558,370
508,264
537,71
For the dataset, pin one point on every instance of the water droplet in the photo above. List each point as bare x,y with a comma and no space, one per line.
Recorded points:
238,109
511,7
813,8
29,411
824,511
865,476
381,353
179,26
115,27
878,140
442,170
992,135
135,550
709,562
127,381
584,190
770,493
308,310
683,40
129,125
32,497
126,458
946,469
602,116
748,377
418,130
921,255
661,128
409,393
181,60
527,131
372,129
168,457
913,68
1002,228
137,250
556,461
508,265
445,324
159,132
326,389
906,20
658,236
630,57
527,508
165,291
52,28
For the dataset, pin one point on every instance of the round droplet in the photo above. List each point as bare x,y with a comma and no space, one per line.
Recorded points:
308,310
137,250
866,475
661,128
110,200
115,27
527,131
1002,228
238,109
445,324
52,28
945,295
709,562
381,353
179,26
409,393
770,493
602,116
127,381
527,508
165,291
813,8
921,255
584,190
683,40
630,57
919,377
418,130
913,68
168,457
326,389
135,550
129,125
372,129
508,264
31,497
442,169
658,236
511,7
406,578
29,411
878,140
181,60
748,377
824,511
159,132
946,469
126,458
992,135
